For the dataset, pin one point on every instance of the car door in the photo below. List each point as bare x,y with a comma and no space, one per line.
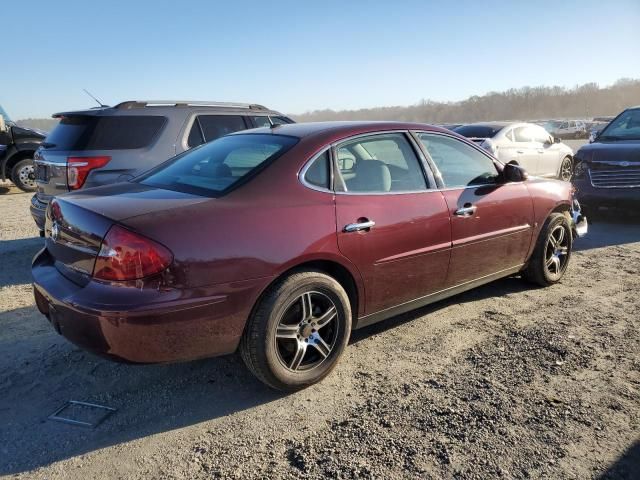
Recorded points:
549,153
391,221
491,221
527,155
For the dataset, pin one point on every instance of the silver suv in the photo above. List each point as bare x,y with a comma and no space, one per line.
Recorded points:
106,145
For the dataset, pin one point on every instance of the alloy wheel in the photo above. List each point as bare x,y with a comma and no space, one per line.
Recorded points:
557,251
307,331
566,170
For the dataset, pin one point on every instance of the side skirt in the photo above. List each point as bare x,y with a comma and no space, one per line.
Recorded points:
434,297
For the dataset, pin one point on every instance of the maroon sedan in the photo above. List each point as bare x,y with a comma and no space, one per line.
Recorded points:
278,242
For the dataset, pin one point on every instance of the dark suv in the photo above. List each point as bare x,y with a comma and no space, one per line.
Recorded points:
17,147
106,145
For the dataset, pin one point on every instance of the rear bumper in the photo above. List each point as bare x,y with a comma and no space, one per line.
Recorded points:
144,325
592,197
38,210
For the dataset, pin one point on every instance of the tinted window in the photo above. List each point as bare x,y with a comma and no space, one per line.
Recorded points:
281,120
118,132
216,167
318,173
261,121
522,134
216,126
195,135
459,164
380,163
478,131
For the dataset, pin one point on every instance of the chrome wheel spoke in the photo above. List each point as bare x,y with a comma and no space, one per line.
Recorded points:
321,346
307,307
554,262
287,331
560,237
326,317
298,356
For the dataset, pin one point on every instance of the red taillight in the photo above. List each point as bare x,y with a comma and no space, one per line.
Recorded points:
78,169
125,255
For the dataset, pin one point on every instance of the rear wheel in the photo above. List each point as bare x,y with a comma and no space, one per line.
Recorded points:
23,175
552,252
566,169
298,331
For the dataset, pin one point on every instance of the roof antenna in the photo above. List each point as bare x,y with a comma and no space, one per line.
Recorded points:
97,101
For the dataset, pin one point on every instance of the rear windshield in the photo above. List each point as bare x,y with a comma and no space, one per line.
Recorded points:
216,167
477,131
88,132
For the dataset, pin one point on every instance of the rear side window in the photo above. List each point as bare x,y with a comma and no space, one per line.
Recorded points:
212,127
378,164
265,121
220,165
117,132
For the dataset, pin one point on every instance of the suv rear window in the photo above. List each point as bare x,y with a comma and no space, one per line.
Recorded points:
117,132
477,131
216,167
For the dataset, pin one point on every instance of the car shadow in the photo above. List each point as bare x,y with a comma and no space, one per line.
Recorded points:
627,467
16,258
40,371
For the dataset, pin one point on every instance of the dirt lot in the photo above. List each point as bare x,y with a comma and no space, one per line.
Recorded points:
506,381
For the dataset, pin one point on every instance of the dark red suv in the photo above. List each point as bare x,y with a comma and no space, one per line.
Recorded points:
279,241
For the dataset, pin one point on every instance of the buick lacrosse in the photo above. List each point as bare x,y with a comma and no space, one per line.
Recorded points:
279,241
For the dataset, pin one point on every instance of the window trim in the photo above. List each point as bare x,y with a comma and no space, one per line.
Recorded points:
303,172
442,186
431,184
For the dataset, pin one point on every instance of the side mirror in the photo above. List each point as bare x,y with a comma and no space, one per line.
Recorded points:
557,140
514,173
592,137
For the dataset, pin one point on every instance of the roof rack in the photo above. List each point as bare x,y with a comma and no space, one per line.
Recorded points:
186,103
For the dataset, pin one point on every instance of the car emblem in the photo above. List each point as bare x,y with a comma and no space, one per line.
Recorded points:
55,231
624,164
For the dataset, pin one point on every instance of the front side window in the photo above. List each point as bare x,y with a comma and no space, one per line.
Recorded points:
522,134
379,164
460,165
216,167
540,135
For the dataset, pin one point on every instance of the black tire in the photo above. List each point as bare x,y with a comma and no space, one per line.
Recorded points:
23,175
566,169
542,268
271,354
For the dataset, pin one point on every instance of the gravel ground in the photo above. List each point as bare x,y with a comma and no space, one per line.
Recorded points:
505,381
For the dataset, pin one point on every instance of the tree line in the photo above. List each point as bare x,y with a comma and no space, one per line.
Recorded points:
527,103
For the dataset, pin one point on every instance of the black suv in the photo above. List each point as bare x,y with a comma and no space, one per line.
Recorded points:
106,145
17,147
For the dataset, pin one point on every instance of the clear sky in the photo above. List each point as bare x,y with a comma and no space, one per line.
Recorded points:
296,56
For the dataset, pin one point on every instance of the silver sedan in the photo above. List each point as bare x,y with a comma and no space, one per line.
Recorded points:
531,146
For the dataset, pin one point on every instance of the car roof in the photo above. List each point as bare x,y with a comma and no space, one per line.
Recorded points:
166,107
340,129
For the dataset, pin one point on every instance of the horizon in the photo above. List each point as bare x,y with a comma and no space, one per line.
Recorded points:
299,58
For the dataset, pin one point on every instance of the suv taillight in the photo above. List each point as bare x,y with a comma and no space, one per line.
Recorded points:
78,169
125,255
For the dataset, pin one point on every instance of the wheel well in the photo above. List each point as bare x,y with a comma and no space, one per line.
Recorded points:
11,162
333,269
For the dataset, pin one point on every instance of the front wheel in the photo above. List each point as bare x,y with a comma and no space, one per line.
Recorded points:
566,169
551,256
23,175
298,331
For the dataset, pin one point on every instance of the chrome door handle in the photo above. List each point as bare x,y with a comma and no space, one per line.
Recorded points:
356,227
466,211
519,151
